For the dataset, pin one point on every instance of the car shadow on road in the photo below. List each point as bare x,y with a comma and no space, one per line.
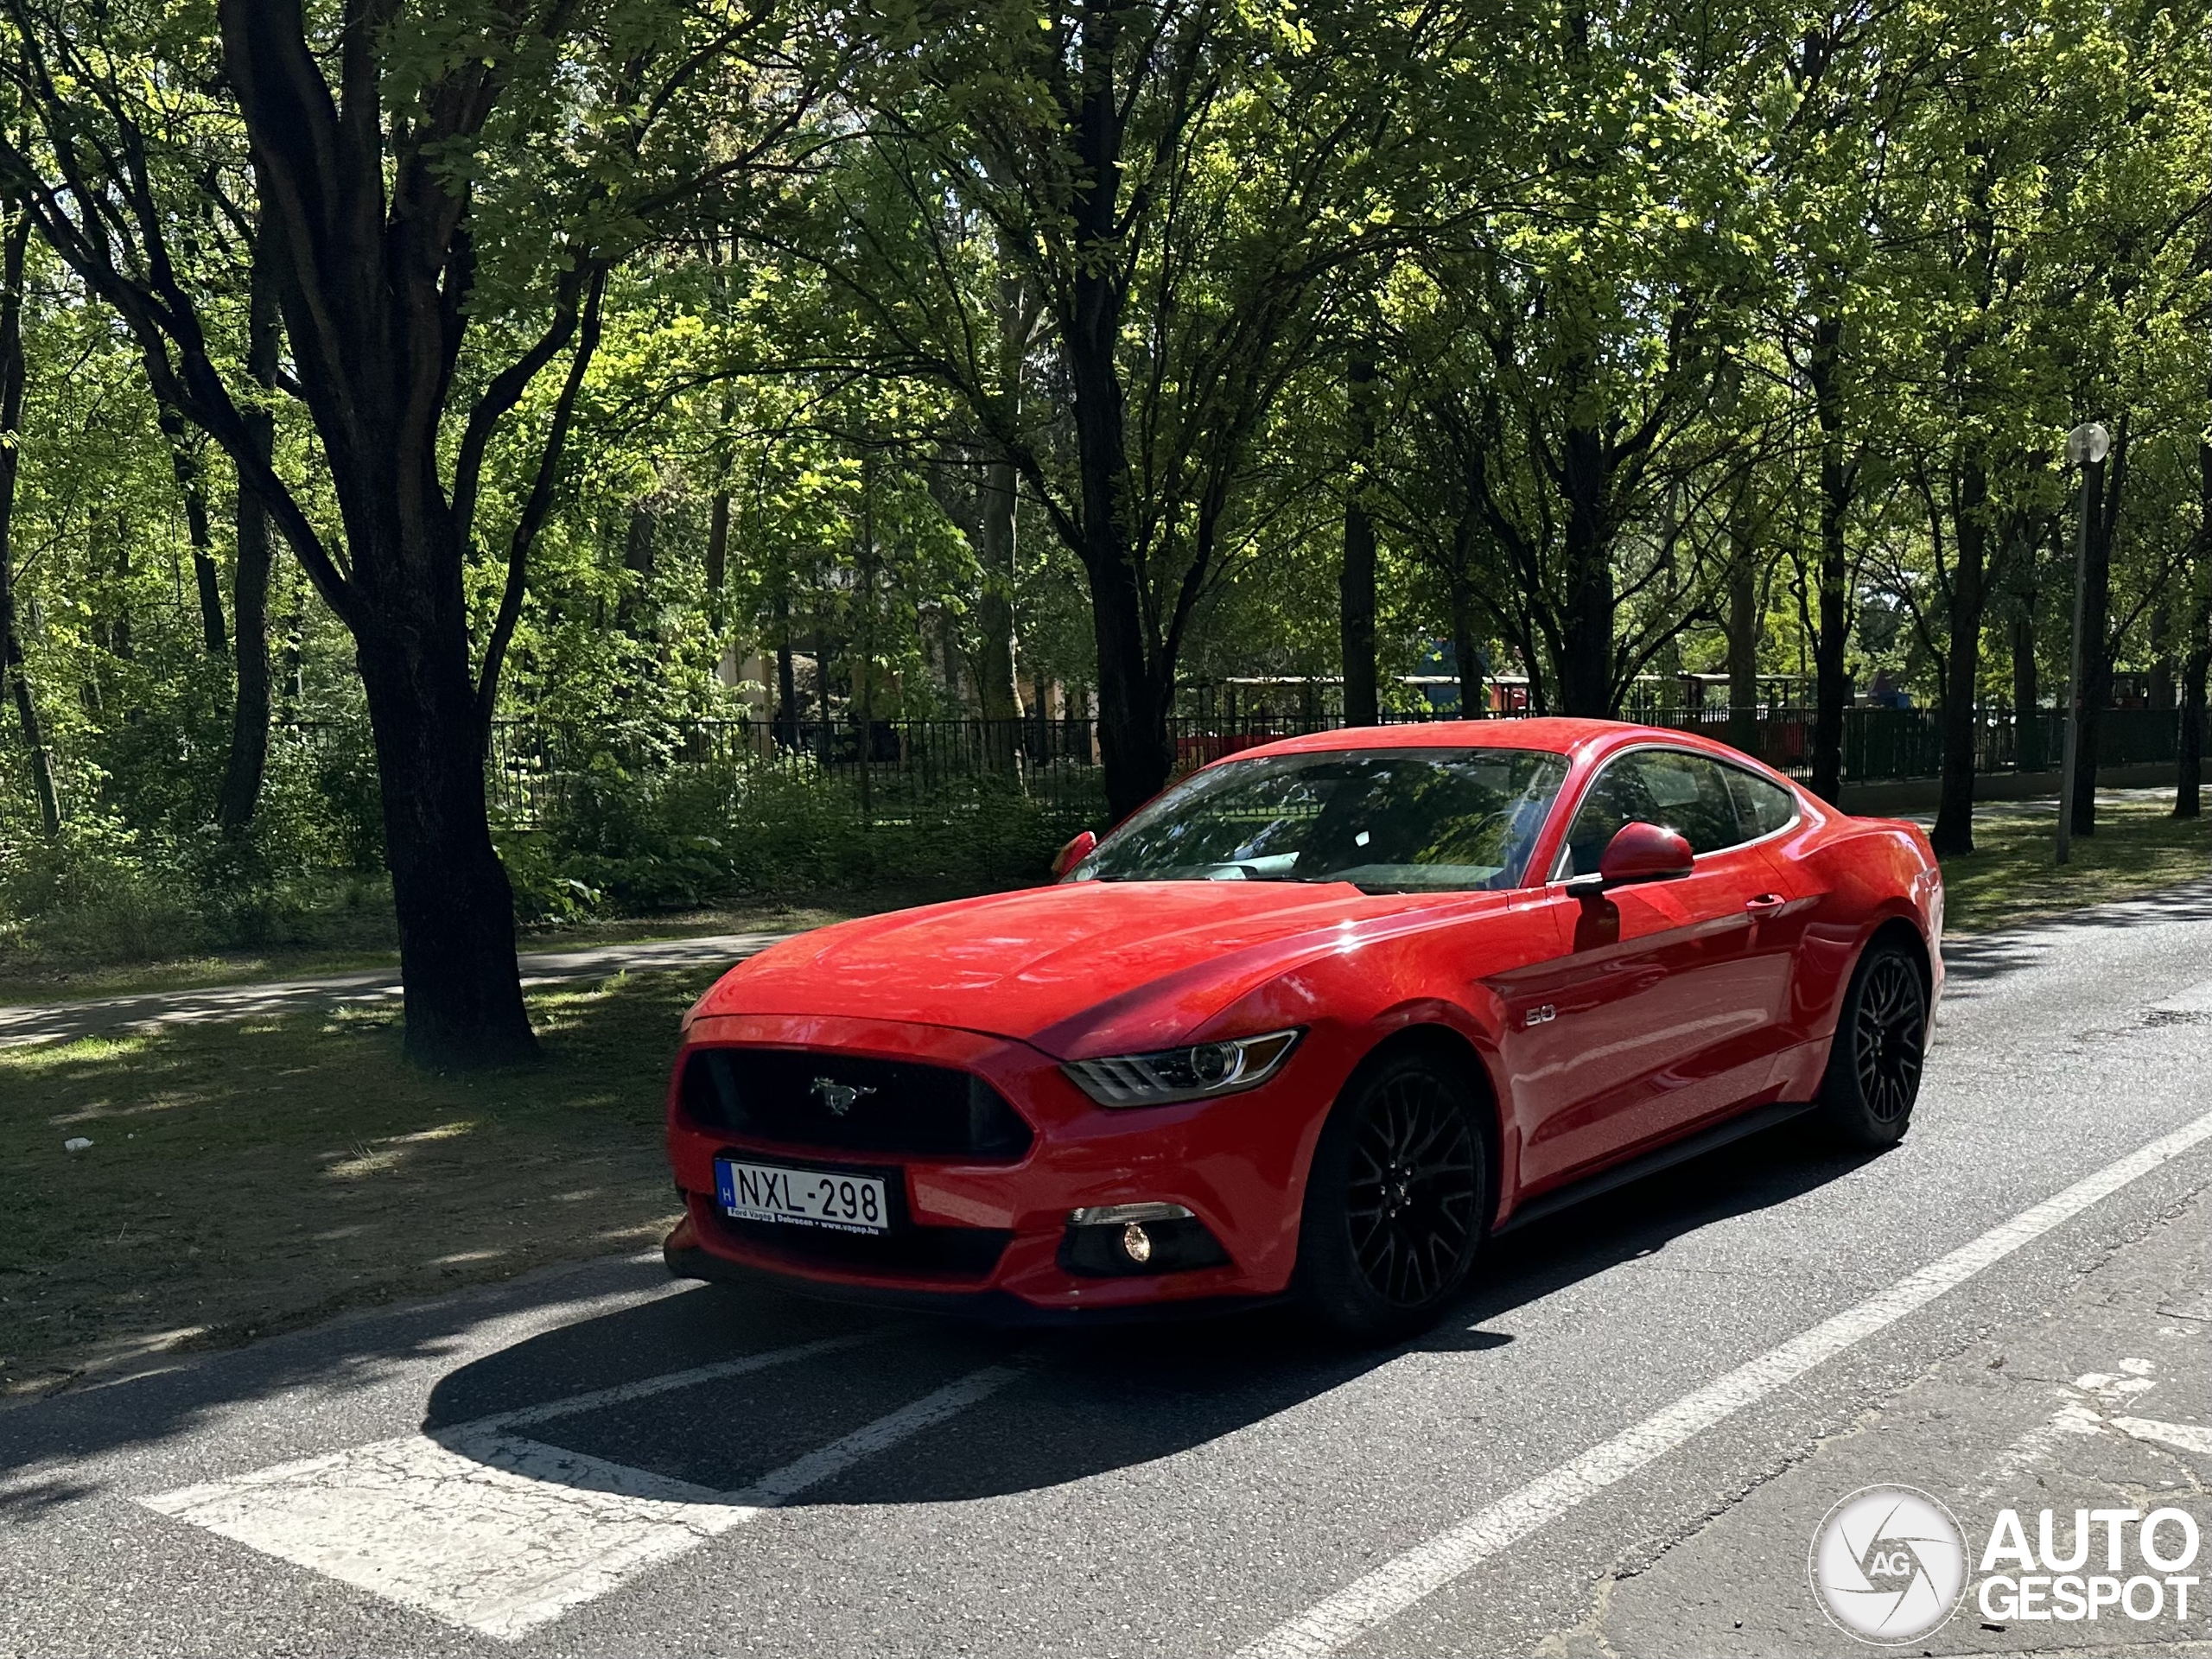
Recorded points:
1083,1402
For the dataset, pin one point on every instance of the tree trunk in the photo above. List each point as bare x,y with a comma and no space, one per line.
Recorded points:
2197,659
292,627
119,635
822,668
718,512
717,552
997,697
638,537
1831,689
1743,629
996,694
2190,777
2107,486
1135,753
1355,580
2159,686
2027,718
1466,658
1585,670
456,908
1953,831
248,764
13,241
191,484
786,717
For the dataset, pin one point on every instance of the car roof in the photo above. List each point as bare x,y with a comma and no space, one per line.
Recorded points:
1552,734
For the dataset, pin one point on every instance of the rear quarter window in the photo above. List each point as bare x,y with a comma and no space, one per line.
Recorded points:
1761,807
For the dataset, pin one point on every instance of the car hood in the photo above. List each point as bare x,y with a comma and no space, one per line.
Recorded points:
1081,968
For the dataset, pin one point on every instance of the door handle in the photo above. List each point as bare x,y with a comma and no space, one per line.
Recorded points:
1764,904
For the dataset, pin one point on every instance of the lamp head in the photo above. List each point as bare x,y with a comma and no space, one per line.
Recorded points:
2088,443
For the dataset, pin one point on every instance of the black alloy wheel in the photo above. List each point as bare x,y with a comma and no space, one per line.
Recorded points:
1873,1074
1393,1209
1887,1035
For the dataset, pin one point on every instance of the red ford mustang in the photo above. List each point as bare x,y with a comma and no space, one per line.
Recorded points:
1315,1023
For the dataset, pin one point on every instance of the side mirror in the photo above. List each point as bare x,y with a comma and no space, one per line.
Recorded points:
1637,852
1074,852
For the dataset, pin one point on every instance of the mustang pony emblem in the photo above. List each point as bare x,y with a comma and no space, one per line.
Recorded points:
837,1096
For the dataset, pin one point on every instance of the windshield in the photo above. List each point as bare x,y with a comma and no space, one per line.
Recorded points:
1388,820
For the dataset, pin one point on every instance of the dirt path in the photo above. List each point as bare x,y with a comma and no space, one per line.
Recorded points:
66,1021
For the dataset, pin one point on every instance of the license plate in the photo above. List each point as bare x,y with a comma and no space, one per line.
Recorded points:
806,1198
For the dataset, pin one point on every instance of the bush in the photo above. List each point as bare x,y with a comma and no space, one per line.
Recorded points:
104,892
691,836
141,875
94,892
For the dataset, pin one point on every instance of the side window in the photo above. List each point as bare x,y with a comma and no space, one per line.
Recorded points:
1686,793
1761,807
1692,795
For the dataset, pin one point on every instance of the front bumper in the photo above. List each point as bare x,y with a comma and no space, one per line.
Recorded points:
1237,1163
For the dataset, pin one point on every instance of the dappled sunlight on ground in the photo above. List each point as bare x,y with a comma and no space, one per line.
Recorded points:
366,1157
248,1177
2010,876
85,1051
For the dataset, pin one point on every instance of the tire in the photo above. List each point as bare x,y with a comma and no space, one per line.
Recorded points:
1881,1037
1394,1212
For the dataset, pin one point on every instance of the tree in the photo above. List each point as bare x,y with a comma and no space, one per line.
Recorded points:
1174,183
426,174
248,759
14,239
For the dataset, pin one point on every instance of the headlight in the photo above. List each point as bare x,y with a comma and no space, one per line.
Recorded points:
1173,1074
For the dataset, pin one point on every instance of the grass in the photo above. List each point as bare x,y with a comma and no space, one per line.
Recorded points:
248,1177
2009,877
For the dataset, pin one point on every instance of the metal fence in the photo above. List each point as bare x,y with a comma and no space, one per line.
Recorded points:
897,768
893,769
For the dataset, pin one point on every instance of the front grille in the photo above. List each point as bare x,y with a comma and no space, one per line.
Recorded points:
787,1096
945,1252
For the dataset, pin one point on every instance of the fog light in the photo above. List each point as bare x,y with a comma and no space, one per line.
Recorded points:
1120,1241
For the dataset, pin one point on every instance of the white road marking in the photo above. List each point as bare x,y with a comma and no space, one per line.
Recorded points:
830,1461
2183,1437
499,1535
1398,1584
2072,1419
482,1527
2038,1443
2196,1000
622,1393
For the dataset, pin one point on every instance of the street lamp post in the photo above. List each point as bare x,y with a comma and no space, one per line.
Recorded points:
2087,445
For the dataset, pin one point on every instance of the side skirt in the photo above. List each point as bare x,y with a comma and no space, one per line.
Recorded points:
1650,1163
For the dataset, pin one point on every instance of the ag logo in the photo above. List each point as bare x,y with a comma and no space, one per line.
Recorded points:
1889,1564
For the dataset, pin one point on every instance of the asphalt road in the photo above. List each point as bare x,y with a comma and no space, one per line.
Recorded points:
1622,1442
